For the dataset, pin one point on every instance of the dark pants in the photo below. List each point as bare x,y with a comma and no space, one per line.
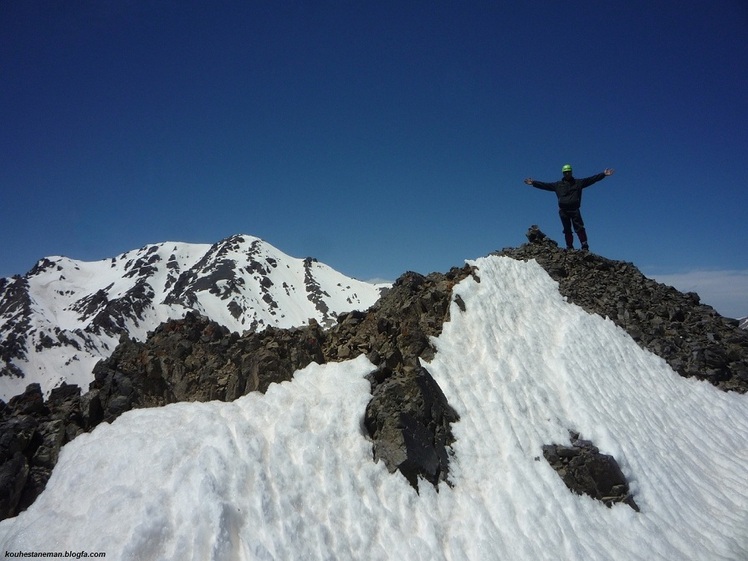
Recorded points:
569,218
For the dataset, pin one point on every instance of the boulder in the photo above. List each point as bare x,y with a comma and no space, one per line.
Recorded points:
586,471
408,419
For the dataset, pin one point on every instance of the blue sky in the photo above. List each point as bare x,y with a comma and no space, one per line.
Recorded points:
378,137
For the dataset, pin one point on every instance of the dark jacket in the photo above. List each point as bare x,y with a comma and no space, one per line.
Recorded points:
569,193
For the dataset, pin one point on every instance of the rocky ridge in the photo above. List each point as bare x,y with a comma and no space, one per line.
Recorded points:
408,417
197,359
692,337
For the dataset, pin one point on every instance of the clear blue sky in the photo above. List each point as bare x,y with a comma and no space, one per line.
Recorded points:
378,136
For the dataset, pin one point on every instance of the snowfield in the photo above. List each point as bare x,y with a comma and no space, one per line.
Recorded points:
77,308
289,474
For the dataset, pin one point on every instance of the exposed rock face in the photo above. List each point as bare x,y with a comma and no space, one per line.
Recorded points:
32,432
196,359
16,306
409,421
586,471
408,417
693,338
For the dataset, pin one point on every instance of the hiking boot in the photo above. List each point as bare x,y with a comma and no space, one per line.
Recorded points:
585,247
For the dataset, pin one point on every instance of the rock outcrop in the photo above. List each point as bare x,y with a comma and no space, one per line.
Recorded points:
692,337
32,432
586,471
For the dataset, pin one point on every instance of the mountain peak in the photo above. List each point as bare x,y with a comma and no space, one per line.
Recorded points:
64,315
545,357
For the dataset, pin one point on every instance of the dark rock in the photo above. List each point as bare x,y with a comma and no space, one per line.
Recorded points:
35,484
693,338
15,305
13,476
20,439
51,436
409,421
16,435
92,411
535,235
30,402
195,359
586,471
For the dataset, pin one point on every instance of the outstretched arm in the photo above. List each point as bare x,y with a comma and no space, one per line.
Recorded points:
540,184
587,181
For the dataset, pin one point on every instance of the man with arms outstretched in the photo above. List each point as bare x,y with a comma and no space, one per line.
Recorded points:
569,193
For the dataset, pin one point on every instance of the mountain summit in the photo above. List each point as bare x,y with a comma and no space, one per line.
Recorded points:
63,316
534,404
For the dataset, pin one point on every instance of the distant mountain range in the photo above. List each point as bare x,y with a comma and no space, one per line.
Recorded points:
64,315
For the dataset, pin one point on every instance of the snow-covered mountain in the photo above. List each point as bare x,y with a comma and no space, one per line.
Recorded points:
743,323
289,474
63,316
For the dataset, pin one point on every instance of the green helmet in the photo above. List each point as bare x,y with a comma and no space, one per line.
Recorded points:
566,168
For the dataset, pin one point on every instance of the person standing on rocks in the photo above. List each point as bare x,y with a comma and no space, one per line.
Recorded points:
569,193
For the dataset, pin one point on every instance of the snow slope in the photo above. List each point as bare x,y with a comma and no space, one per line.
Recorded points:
289,474
62,317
